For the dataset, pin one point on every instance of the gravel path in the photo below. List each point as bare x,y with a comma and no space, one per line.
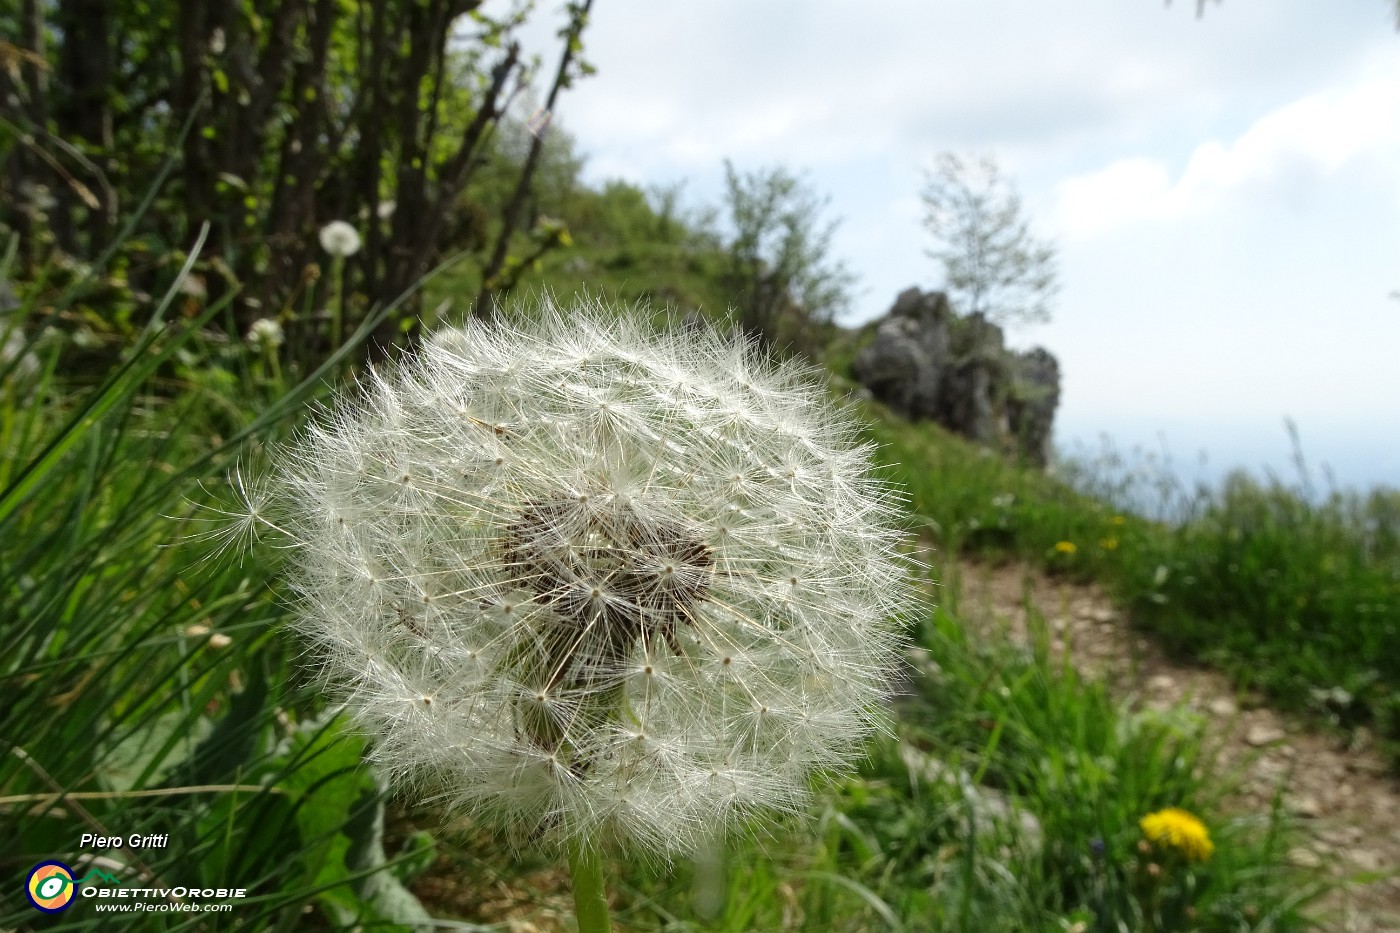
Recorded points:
1343,798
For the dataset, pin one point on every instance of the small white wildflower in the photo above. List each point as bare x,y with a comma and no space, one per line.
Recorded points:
385,210
194,287
23,366
265,334
340,239
1332,696
40,199
591,582
201,629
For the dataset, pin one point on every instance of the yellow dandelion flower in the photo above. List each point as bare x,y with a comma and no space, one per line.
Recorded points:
1109,543
1065,547
1117,519
1177,829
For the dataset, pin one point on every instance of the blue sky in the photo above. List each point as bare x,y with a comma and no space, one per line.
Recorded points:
1225,192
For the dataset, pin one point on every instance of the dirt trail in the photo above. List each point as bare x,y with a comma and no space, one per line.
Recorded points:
1345,800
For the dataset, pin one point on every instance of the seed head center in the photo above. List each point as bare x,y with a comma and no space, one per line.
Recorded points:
596,561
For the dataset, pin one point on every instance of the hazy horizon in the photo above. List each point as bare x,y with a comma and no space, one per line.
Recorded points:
1336,461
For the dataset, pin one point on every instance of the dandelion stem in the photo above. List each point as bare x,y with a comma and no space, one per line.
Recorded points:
270,354
590,893
337,300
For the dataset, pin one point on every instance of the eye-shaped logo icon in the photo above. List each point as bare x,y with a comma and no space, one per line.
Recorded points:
50,887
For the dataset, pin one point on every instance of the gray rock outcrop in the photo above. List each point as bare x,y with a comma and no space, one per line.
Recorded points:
904,365
1035,395
974,382
926,362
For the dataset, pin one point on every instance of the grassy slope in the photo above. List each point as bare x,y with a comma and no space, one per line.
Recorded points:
662,275
1301,601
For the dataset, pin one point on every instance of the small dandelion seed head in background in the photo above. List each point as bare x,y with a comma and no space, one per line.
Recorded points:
265,334
340,239
579,579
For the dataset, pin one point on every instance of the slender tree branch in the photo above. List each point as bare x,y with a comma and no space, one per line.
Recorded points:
491,281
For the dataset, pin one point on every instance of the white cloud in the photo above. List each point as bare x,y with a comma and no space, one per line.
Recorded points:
1126,191
1294,148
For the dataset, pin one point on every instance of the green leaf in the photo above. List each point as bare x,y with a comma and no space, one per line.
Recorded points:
230,747
146,748
327,780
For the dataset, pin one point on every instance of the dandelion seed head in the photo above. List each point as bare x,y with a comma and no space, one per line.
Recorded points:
580,579
265,334
340,239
